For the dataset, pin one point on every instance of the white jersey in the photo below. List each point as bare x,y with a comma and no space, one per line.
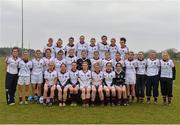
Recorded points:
73,76
130,73
57,49
80,47
102,49
58,63
166,68
50,77
108,76
24,68
84,78
12,65
104,62
47,61
141,67
69,61
118,61
123,51
63,78
153,67
97,78
113,50
37,66
93,61
91,50
68,47
51,48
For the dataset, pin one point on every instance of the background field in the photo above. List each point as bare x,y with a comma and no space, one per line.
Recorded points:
135,113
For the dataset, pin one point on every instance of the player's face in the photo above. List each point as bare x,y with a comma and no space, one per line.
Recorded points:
113,42
25,56
63,68
59,43
107,55
165,56
97,68
83,54
74,66
131,56
140,56
82,39
71,41
152,55
38,55
51,67
118,67
118,56
15,53
59,55
71,52
126,55
50,41
93,42
85,66
96,55
48,53
104,39
122,43
109,67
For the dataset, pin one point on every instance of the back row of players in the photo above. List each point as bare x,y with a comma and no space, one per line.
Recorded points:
111,71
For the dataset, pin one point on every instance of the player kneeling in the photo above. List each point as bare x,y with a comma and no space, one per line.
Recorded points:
97,84
74,84
50,77
120,85
63,84
24,67
85,87
109,88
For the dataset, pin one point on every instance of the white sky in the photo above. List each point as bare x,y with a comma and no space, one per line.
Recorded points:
147,24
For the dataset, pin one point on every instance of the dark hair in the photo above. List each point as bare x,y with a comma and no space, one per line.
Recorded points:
103,36
108,63
48,49
71,38
63,64
119,64
123,39
60,51
15,48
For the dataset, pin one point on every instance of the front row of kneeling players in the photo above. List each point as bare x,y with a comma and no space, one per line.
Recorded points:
110,85
88,82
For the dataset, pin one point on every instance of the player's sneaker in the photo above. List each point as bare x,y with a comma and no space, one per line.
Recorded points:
60,104
12,103
21,102
26,102
64,104
50,104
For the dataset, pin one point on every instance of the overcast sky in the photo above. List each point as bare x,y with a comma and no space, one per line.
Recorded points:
147,24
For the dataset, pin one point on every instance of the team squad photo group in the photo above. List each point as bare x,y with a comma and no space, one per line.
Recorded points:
96,73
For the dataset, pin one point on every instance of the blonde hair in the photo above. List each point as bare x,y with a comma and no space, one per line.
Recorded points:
165,53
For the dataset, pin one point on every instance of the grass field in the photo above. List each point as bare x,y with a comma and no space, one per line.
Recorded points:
135,113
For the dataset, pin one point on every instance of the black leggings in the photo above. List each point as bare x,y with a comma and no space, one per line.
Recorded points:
10,85
140,85
152,84
166,86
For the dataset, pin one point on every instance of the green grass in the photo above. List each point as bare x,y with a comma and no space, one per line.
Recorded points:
135,113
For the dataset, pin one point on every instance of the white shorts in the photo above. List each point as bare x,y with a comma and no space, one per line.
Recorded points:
89,87
36,79
65,87
109,87
77,86
130,79
24,80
